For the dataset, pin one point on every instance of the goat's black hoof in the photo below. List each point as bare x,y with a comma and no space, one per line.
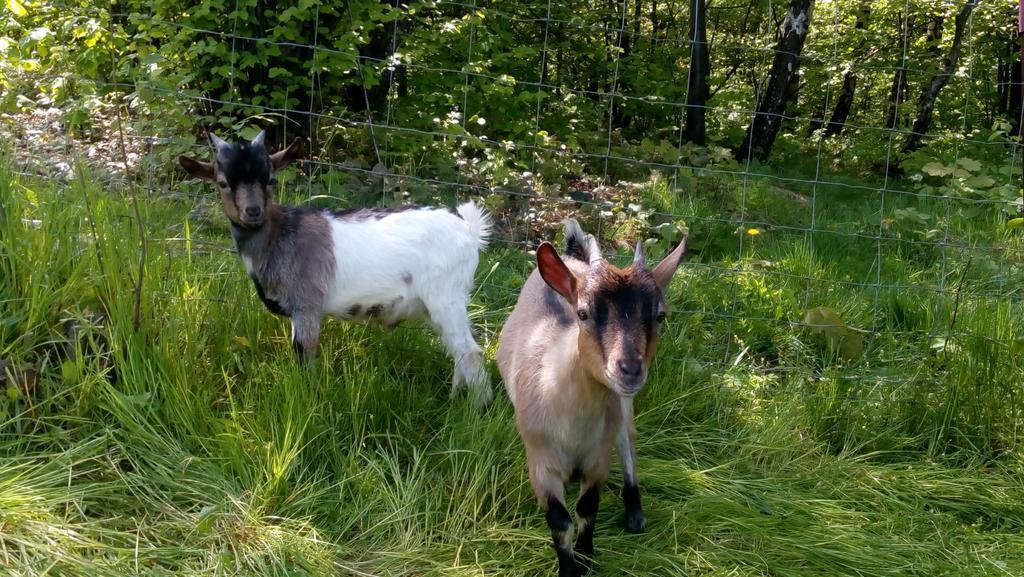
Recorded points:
636,522
582,565
567,570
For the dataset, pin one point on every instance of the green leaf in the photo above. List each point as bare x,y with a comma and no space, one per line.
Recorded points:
17,7
1017,346
71,372
1014,223
936,169
851,346
944,345
969,164
979,181
839,339
823,319
39,33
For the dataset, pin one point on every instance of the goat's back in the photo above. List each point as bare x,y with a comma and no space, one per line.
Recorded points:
407,254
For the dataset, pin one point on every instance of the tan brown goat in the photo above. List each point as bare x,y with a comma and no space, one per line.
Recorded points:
573,353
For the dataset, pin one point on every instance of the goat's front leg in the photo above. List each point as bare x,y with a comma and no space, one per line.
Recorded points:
586,517
636,522
560,524
550,491
305,335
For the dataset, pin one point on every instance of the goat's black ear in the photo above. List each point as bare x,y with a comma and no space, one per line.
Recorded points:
282,158
664,270
217,142
198,168
555,273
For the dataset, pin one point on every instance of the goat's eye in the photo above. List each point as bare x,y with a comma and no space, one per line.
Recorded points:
660,317
222,184
582,314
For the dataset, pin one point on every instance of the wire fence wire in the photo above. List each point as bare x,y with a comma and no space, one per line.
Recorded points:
390,173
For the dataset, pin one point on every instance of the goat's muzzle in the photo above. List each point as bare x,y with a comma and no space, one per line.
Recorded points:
627,383
252,216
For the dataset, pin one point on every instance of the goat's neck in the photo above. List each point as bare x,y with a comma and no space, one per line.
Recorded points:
253,243
582,388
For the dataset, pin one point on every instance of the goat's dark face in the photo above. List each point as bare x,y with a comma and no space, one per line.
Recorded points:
619,311
244,175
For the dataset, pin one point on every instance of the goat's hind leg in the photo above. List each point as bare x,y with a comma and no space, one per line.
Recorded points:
452,323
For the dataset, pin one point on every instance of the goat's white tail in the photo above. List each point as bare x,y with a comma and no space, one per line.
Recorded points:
477,221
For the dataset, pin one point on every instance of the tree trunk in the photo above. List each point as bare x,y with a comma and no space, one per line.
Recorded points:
765,127
655,33
843,105
933,36
817,119
845,101
626,41
1015,105
793,92
897,96
376,52
1014,101
700,65
898,91
926,104
1002,86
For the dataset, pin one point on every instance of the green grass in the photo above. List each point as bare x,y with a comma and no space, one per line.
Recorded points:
196,446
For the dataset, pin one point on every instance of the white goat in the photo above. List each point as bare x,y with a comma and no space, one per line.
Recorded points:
573,353
380,264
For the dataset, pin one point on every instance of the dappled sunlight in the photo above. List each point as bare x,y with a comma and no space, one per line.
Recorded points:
837,388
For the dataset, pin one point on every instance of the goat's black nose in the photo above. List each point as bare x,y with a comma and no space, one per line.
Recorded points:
253,211
631,368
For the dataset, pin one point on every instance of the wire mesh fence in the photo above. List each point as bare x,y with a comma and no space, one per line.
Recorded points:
435,112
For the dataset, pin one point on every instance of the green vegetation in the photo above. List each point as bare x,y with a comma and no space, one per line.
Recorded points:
196,446
838,387
550,87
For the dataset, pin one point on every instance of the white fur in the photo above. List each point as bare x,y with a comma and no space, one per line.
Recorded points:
411,263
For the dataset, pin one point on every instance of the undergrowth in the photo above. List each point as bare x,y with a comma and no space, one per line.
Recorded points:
196,446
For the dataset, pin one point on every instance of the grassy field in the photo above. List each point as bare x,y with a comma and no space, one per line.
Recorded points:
195,446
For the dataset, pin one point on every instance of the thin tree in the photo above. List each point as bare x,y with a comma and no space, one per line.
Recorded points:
926,104
371,95
697,90
898,90
845,101
765,127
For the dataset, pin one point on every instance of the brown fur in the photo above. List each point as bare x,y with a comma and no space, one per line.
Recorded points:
572,353
563,376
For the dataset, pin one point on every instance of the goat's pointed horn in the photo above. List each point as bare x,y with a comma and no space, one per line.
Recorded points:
638,254
593,250
258,141
217,141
